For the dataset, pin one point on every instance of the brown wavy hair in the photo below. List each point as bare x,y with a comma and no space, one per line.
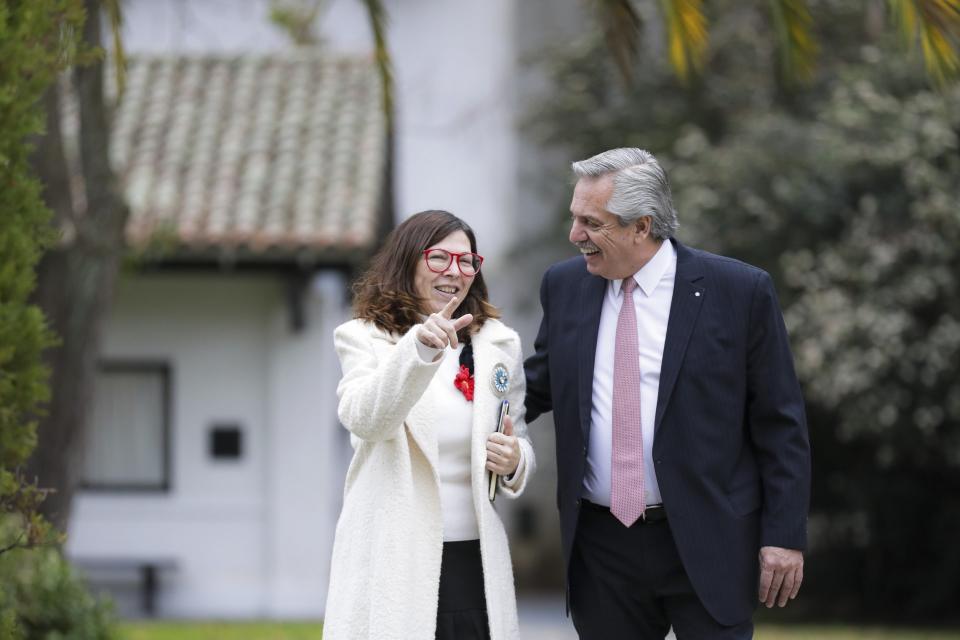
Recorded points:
385,293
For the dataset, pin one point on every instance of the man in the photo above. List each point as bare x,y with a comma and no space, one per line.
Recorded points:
682,449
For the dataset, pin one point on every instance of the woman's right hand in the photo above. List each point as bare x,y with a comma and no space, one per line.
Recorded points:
439,330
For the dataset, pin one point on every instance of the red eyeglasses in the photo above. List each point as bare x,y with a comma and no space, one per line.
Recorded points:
438,261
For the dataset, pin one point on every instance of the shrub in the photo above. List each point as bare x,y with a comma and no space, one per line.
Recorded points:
41,598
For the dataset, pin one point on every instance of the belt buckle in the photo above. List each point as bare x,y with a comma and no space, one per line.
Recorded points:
656,511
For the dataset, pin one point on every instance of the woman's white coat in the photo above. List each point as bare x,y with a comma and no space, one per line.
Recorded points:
385,571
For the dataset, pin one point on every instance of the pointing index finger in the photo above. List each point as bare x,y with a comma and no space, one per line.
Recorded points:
450,307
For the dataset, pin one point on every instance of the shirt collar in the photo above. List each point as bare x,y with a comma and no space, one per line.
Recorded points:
651,273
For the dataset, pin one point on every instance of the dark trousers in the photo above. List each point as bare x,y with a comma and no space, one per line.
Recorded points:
462,607
630,584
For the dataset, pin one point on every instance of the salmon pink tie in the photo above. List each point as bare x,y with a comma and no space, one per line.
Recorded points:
627,500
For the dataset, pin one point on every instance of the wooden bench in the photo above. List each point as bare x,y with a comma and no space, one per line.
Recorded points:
146,570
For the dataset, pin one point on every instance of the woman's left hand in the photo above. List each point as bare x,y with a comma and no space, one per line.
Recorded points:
503,450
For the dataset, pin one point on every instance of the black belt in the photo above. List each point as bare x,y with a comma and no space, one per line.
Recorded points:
654,512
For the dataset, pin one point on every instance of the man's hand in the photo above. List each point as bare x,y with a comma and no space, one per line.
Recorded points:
781,572
439,330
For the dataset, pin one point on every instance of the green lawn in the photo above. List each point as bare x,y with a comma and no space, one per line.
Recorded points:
312,631
221,631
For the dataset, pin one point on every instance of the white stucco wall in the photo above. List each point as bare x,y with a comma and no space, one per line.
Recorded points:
307,452
251,537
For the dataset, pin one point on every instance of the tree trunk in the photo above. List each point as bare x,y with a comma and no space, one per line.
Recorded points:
76,280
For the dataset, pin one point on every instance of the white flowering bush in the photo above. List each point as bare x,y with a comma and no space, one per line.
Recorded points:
848,192
856,210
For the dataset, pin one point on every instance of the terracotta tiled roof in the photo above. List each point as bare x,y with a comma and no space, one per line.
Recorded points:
266,155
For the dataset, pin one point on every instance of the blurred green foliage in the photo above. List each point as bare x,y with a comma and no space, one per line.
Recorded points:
39,597
36,42
848,192
42,599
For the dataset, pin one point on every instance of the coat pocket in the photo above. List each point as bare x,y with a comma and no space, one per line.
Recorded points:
746,499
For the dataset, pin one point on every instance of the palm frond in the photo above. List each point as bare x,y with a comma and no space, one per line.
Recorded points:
905,15
687,35
936,24
621,30
799,49
378,22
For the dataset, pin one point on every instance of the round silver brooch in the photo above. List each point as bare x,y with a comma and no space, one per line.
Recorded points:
500,379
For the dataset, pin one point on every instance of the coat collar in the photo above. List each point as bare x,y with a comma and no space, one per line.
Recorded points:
493,331
488,351
650,275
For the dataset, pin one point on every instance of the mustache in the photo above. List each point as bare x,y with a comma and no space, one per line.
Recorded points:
586,245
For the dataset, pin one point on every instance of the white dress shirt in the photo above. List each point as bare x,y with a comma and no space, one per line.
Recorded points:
651,299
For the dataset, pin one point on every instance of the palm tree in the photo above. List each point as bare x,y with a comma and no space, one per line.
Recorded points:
934,23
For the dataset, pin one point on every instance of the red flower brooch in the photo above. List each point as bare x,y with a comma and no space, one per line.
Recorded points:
464,382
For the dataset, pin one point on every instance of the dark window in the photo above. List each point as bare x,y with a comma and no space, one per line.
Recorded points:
128,437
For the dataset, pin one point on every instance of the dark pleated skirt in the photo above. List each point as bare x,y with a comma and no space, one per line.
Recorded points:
462,608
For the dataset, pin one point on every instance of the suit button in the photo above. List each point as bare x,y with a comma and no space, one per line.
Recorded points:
584,451
659,461
578,502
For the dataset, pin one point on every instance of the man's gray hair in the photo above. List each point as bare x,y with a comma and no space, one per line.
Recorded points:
640,188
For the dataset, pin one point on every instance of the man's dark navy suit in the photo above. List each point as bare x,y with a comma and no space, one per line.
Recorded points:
730,449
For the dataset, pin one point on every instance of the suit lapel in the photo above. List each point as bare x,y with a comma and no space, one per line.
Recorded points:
591,302
420,423
688,297
488,352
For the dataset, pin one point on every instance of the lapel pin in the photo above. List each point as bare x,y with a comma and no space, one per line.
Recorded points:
500,379
697,294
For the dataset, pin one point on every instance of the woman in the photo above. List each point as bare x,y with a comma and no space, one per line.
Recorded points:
420,553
